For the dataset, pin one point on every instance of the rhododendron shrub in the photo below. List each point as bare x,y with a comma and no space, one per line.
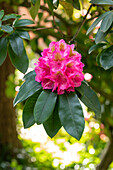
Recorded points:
60,68
54,90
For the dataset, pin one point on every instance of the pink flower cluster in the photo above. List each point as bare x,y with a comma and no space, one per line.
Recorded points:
59,68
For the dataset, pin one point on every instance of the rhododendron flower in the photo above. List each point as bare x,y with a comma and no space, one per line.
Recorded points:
60,68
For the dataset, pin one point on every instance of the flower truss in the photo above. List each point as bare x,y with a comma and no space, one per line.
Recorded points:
59,68
54,90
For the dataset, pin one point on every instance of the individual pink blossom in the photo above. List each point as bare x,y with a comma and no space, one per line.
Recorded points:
60,68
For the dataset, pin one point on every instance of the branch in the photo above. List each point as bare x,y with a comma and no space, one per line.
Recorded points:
84,19
107,157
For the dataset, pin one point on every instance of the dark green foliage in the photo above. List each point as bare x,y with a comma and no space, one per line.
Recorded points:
71,114
89,98
53,124
106,58
22,22
3,49
44,106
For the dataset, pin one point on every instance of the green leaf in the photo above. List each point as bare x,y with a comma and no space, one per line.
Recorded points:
0,24
3,49
68,8
1,13
34,9
50,5
34,1
107,22
102,2
27,89
96,22
22,22
71,114
100,36
44,106
1,33
90,99
75,3
6,28
53,124
28,116
23,34
95,47
106,58
16,43
20,62
29,76
11,16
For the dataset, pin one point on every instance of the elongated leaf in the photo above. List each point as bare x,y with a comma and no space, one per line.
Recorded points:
23,22
28,116
1,33
1,13
50,5
16,43
0,24
11,16
23,34
53,124
34,9
96,22
68,8
102,2
90,99
71,114
20,62
6,28
106,58
106,23
44,106
100,36
27,89
3,49
29,76
95,47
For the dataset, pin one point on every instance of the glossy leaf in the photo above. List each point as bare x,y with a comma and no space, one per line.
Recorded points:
16,43
100,36
3,49
95,47
29,76
53,124
20,62
89,98
1,13
107,22
11,16
6,28
23,34
106,58
102,2
44,106
27,89
22,22
34,9
28,116
71,114
97,21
